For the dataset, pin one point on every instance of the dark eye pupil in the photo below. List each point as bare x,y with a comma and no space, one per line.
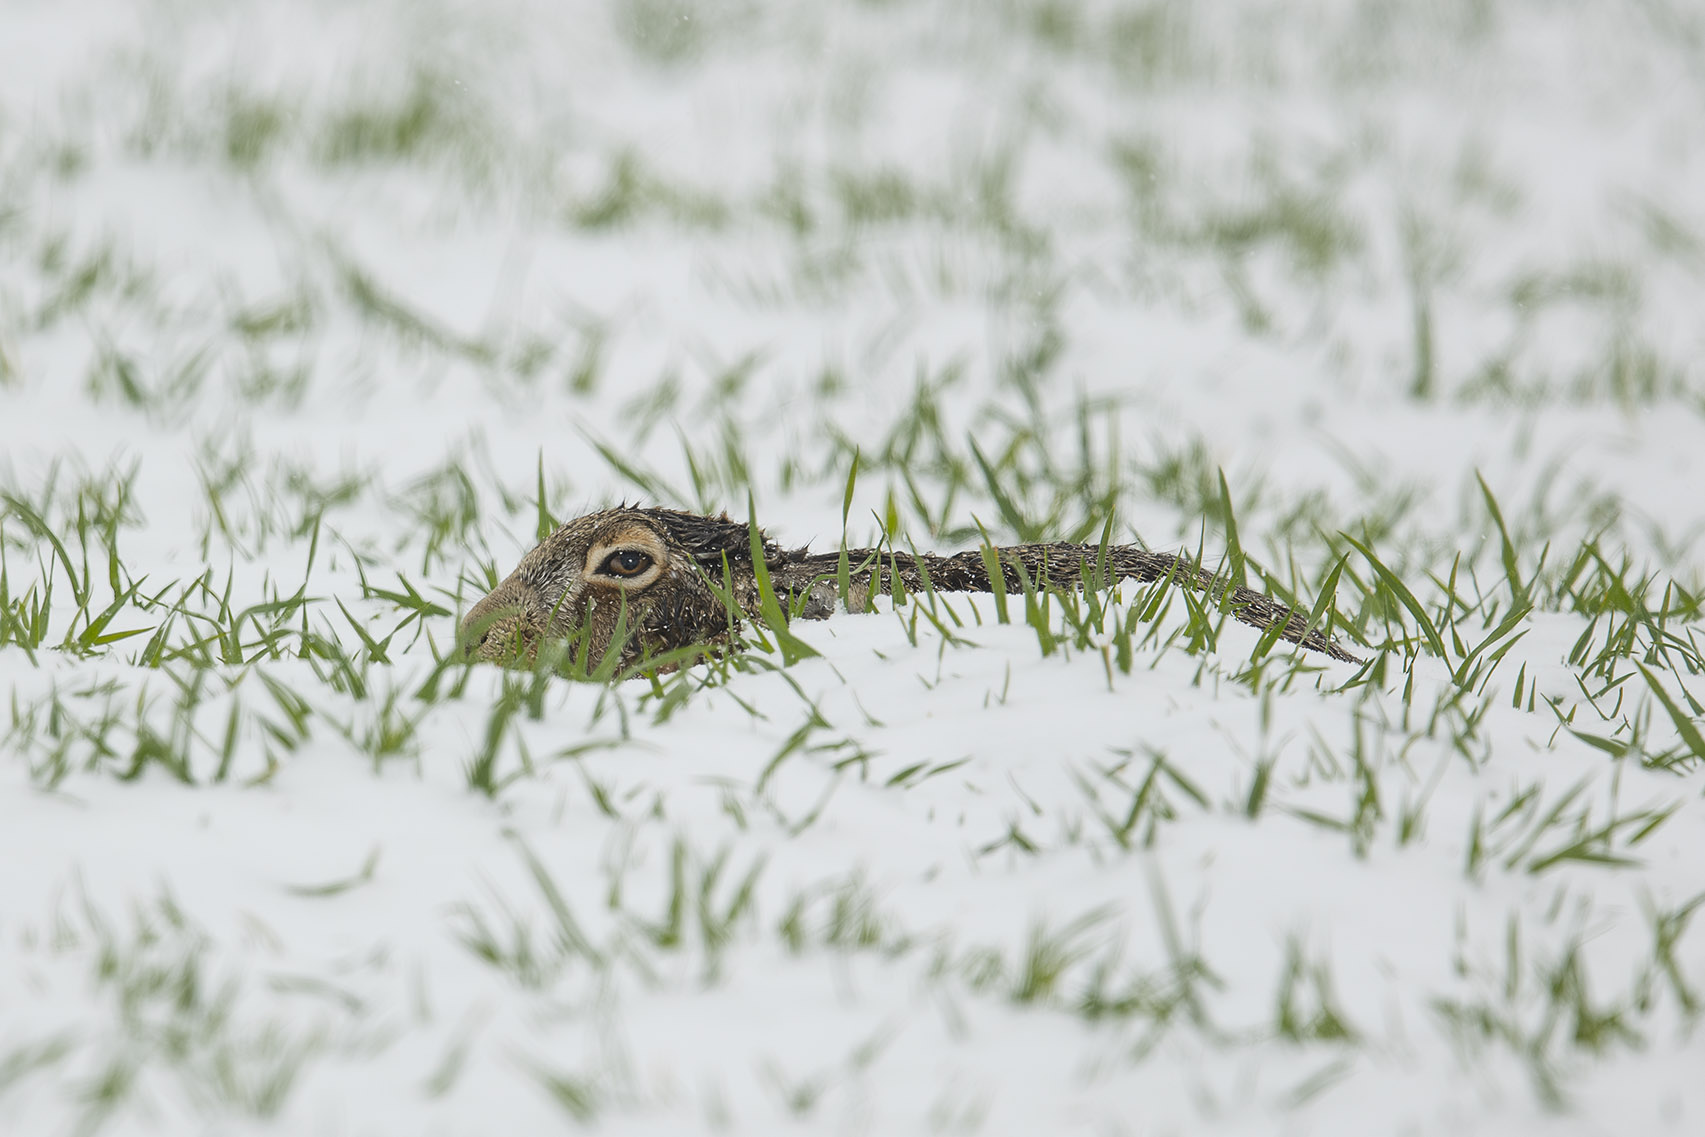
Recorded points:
628,562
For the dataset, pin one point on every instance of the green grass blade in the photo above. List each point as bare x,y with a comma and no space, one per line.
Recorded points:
1404,597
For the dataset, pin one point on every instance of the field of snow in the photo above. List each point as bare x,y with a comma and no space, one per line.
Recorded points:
313,317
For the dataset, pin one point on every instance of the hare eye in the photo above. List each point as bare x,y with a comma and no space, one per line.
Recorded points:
626,562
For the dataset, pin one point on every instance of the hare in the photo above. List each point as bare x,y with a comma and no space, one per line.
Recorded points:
651,578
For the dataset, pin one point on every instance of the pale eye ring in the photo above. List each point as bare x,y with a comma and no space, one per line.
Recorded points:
626,562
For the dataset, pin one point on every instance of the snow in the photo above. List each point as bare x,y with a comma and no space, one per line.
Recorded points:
919,882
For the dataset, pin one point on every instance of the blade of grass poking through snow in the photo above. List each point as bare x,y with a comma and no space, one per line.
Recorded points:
19,620
793,649
997,577
1234,547
724,593
655,665
410,599
38,525
1404,597
95,634
339,887
1466,672
1104,557
375,648
547,520
896,584
613,651
1326,602
1512,570
1009,510
570,936
1037,612
652,484
1684,724
843,567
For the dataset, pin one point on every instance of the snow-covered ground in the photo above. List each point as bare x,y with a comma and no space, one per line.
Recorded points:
313,315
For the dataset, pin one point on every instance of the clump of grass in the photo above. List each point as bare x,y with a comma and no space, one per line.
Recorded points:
430,114
666,31
632,192
1540,1007
172,1008
254,126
